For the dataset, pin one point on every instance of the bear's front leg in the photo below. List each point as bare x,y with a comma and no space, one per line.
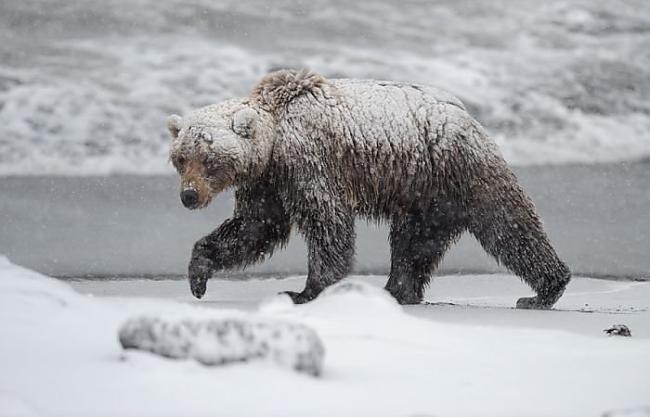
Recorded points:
200,269
238,242
330,243
259,225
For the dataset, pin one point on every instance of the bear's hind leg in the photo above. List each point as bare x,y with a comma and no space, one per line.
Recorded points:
506,224
330,244
418,243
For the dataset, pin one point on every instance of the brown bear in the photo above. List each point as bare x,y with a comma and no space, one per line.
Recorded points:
314,153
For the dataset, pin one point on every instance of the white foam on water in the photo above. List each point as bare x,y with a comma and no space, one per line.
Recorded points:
554,83
112,120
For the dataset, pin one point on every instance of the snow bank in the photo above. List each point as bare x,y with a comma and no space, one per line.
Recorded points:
60,356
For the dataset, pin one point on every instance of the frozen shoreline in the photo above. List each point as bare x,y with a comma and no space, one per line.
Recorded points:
60,356
588,306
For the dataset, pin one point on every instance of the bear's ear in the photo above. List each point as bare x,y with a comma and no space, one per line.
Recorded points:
243,122
174,125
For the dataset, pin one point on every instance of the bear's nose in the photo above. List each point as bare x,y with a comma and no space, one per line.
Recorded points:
190,198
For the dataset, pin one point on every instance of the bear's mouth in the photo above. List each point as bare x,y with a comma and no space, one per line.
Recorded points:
215,188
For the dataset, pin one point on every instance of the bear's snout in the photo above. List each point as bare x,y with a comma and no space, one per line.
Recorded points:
190,198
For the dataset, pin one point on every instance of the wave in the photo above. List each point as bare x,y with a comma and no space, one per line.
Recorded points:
85,86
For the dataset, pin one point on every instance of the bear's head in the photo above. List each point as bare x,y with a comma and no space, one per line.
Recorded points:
218,147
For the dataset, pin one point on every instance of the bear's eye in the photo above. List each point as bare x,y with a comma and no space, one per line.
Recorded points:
180,162
206,136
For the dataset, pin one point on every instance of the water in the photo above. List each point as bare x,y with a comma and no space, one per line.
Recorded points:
126,226
85,86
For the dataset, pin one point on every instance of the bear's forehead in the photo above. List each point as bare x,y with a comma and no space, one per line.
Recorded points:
214,115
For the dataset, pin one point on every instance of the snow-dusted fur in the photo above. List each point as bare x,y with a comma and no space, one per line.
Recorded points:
314,153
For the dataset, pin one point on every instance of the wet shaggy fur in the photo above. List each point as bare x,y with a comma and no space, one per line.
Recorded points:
306,152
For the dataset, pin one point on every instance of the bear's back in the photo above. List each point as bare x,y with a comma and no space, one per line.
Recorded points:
404,117
406,94
381,141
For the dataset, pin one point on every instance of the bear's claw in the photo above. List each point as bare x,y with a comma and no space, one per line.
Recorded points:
199,271
404,297
299,297
532,303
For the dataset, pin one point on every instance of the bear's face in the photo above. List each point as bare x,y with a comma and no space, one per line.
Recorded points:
218,147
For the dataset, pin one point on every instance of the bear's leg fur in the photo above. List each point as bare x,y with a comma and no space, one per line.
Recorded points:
418,242
330,245
504,221
258,227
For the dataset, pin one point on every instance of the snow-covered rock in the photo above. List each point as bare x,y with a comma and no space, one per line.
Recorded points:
224,341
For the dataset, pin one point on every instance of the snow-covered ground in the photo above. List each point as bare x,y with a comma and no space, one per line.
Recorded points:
466,354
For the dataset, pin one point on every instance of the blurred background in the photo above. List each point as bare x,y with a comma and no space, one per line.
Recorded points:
85,87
